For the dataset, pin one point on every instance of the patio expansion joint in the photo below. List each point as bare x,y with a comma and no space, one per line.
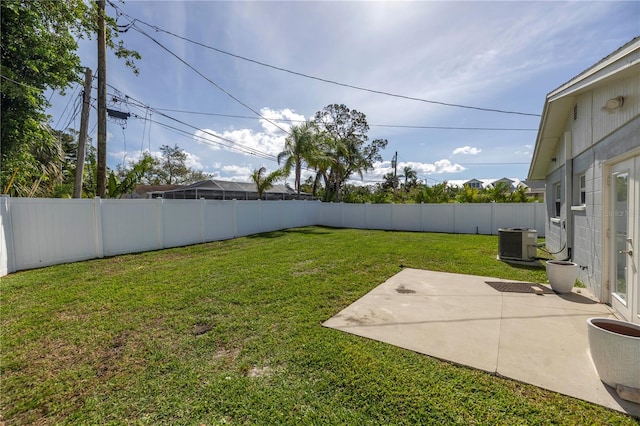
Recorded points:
502,301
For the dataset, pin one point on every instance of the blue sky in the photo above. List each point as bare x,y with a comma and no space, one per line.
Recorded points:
496,55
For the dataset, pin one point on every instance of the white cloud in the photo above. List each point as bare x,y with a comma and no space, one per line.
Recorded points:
437,167
270,141
193,161
466,150
272,126
244,141
237,170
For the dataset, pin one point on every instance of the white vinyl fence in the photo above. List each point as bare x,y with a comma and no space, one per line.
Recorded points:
37,232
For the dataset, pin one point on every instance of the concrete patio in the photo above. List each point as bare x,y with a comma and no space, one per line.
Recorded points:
522,331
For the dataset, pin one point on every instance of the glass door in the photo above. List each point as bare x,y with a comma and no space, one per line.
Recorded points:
624,210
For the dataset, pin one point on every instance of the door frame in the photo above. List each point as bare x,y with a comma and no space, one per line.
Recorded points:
607,255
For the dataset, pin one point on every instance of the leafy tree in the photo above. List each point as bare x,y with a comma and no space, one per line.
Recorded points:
38,52
116,188
520,196
344,146
300,146
439,193
54,166
468,195
173,165
410,177
498,193
170,169
390,181
357,194
265,182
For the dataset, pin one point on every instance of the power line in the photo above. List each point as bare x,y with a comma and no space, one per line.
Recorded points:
132,24
233,145
207,78
408,126
494,164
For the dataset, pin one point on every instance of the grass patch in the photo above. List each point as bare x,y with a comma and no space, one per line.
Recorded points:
229,333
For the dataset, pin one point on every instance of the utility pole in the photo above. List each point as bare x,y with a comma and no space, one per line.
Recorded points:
102,101
82,139
394,164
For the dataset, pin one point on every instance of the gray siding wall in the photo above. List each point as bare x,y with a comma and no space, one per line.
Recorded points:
587,250
555,233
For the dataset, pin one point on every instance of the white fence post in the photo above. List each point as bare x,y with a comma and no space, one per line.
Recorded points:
203,205
7,251
235,218
97,218
493,218
159,223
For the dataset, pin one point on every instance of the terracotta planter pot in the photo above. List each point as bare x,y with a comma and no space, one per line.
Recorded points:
562,275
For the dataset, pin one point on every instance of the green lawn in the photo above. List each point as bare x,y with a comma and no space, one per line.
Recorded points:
230,333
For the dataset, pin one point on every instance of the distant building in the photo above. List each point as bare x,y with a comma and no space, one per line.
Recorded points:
142,191
485,183
214,189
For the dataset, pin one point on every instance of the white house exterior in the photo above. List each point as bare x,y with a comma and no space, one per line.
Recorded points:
588,153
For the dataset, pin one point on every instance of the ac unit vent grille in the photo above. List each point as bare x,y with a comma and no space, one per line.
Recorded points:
517,244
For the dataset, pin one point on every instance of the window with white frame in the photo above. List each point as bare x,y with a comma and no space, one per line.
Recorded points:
583,188
557,191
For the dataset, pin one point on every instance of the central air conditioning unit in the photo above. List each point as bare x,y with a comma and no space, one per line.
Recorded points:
517,244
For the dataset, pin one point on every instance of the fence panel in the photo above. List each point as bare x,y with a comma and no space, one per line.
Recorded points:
132,226
475,220
379,216
271,215
182,222
330,214
407,217
51,231
513,216
247,217
219,220
353,216
438,217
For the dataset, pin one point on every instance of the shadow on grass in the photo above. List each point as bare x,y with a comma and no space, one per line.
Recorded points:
282,233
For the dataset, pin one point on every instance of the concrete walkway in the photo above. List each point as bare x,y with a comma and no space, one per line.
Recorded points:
495,325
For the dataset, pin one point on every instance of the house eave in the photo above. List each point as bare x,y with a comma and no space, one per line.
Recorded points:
558,103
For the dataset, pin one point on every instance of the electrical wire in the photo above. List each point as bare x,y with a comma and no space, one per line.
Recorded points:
133,21
73,114
232,147
71,98
144,129
405,126
228,142
225,142
208,79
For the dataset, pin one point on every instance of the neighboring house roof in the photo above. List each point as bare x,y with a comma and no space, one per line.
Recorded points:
534,185
141,191
485,183
221,189
559,102
231,186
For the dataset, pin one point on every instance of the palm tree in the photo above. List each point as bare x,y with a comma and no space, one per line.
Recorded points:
410,177
263,183
298,148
